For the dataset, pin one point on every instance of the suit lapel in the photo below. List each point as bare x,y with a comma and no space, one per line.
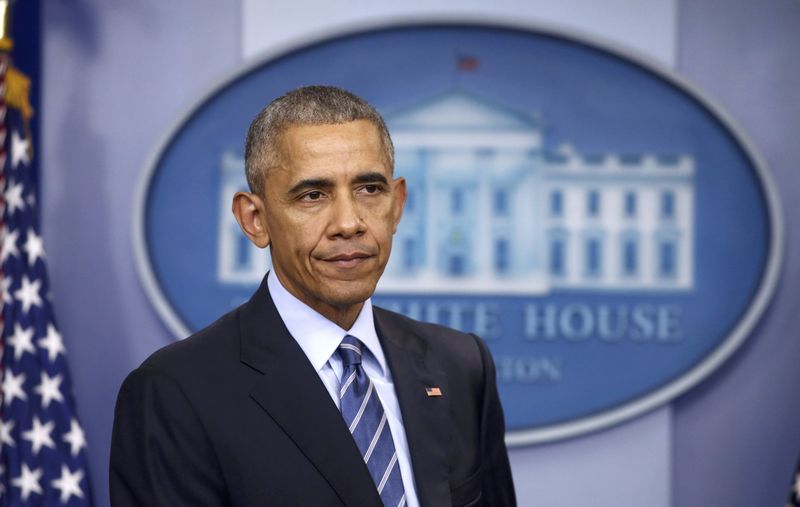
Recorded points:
293,395
426,419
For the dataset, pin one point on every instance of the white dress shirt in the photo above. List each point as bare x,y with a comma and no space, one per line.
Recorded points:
320,338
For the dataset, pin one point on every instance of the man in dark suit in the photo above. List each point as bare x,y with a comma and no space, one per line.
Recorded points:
307,395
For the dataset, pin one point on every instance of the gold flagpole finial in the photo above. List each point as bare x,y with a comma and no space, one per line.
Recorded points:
6,43
17,85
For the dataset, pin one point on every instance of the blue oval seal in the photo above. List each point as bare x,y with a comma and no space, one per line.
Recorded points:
597,220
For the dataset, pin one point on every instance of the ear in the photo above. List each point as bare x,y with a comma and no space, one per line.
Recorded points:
399,201
249,211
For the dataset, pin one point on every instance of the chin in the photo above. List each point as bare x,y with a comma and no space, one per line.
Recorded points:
350,293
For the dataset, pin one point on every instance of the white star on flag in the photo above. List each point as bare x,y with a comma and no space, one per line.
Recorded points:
39,435
49,389
28,294
14,199
28,481
21,340
75,437
5,433
9,245
68,483
52,342
12,387
20,149
33,246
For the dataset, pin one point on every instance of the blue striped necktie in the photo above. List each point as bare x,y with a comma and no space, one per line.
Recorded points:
364,415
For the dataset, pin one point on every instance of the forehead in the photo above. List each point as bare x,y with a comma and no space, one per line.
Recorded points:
355,142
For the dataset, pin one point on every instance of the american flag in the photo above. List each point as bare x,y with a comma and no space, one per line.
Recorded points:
43,446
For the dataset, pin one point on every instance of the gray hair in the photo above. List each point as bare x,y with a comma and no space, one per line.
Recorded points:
309,105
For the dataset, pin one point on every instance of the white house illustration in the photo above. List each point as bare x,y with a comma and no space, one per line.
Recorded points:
489,210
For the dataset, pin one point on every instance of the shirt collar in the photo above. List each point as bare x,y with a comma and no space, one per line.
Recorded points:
317,336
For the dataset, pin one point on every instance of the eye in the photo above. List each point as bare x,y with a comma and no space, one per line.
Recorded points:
371,189
314,195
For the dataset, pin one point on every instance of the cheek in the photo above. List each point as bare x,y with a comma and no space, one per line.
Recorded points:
383,231
305,236
300,228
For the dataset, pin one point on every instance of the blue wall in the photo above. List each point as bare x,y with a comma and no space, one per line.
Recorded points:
736,436
118,73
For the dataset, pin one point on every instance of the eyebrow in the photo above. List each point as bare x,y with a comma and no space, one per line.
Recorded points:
325,183
310,183
371,177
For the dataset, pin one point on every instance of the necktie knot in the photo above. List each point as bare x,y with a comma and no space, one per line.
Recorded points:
350,351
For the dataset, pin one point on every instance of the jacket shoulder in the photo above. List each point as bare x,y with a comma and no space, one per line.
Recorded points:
466,350
426,329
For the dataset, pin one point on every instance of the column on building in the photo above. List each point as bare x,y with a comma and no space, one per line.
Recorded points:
484,236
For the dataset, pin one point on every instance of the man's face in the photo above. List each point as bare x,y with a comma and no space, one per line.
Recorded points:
331,208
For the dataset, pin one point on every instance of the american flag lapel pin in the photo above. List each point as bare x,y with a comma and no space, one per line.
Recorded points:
433,391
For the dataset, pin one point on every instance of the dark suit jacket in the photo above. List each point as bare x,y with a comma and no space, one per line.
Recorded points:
236,415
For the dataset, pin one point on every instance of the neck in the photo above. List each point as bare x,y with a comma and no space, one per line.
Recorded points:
343,317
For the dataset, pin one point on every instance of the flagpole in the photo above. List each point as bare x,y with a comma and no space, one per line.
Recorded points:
6,43
5,48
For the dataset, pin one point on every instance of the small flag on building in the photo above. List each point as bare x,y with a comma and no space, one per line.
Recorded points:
43,458
467,63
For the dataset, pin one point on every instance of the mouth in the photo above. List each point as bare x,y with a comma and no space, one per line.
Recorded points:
348,260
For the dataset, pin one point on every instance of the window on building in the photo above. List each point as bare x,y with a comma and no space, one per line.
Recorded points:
667,258
630,256
409,247
501,255
500,202
667,205
593,257
630,204
593,203
558,256
456,265
456,201
556,203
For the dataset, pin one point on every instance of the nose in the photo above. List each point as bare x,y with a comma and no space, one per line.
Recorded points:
346,220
